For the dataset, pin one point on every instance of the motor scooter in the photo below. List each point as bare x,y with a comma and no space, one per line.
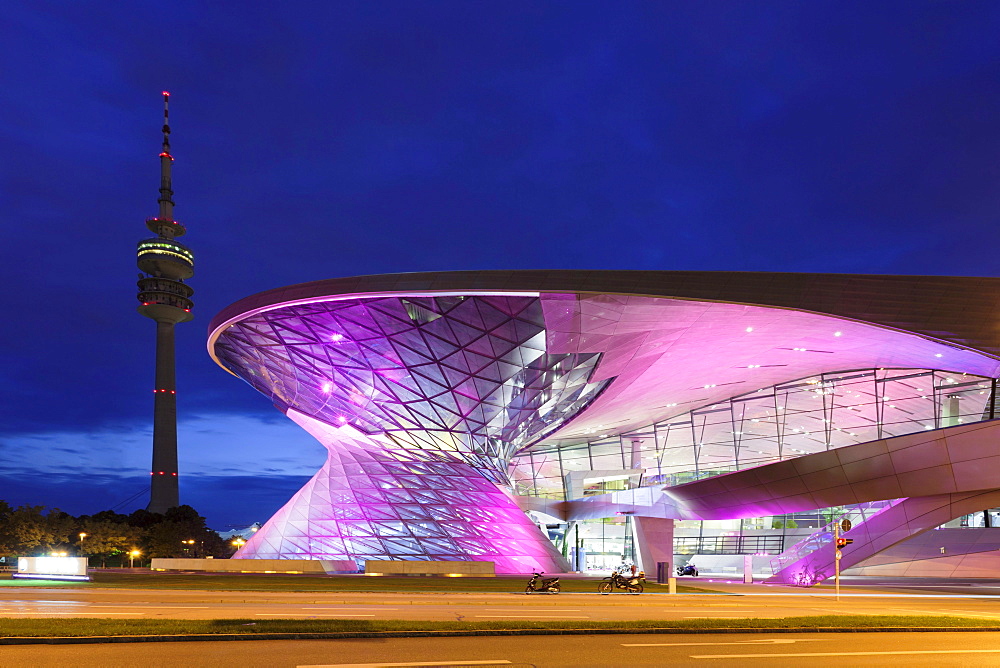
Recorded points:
687,569
539,584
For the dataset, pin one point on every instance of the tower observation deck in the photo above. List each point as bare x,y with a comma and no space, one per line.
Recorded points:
164,297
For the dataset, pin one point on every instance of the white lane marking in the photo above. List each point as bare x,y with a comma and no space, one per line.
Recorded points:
535,609
968,612
309,614
537,616
710,605
347,608
777,641
905,652
419,663
155,607
76,613
947,613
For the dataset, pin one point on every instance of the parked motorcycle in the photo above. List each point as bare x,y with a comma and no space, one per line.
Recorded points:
547,585
631,584
687,569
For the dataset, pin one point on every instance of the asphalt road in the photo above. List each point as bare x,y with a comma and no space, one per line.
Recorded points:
741,602
979,586
799,649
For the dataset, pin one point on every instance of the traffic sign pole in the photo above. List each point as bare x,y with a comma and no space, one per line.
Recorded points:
836,555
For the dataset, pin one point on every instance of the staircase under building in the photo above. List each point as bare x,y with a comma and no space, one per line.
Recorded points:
811,560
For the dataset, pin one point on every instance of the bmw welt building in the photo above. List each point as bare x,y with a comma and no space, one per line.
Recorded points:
558,420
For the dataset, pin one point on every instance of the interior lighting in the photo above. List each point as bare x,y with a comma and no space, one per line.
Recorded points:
937,355
336,337
837,333
749,329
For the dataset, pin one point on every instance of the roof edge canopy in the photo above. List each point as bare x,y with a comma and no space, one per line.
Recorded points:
964,311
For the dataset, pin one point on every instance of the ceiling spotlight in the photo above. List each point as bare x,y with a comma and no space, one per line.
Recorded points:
837,333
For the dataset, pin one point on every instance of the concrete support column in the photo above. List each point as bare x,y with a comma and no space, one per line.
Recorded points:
654,538
163,481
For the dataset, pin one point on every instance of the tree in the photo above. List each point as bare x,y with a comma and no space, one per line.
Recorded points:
6,539
143,519
31,530
106,539
183,523
28,529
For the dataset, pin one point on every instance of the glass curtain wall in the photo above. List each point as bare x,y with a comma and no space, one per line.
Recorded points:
770,424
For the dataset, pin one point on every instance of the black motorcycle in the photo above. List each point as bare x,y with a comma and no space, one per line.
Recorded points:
632,584
547,585
687,569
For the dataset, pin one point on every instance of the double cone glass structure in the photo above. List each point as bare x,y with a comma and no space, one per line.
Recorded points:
450,403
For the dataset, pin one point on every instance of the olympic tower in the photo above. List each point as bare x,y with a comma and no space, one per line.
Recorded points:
164,297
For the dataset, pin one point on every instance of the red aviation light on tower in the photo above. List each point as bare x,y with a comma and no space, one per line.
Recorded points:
166,94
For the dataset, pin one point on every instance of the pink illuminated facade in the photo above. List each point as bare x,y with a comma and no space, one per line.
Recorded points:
450,404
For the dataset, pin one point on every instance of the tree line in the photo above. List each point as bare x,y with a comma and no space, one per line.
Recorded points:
108,538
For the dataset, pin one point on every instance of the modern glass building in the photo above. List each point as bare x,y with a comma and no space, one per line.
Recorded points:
566,419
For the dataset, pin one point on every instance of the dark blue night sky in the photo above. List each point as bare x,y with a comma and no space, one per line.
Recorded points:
316,140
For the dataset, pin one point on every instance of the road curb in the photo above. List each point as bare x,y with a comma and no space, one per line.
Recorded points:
88,640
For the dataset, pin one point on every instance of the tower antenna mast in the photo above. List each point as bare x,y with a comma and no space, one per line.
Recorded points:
166,200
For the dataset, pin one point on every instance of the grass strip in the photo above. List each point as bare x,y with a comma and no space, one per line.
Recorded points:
83,627
319,583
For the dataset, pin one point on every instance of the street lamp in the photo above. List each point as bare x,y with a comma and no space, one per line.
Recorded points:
131,557
188,542
239,542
